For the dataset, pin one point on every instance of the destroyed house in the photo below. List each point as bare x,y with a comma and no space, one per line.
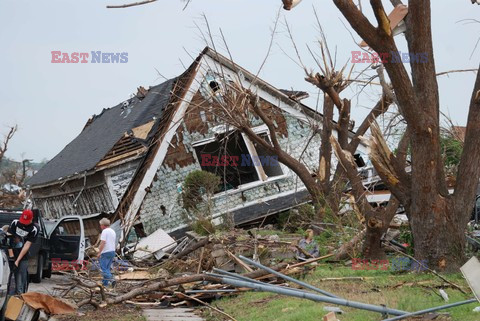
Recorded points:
130,161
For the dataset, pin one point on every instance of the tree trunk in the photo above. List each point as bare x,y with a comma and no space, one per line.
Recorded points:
376,227
439,239
378,221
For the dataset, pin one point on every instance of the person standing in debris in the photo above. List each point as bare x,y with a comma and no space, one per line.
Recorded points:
307,247
107,251
23,233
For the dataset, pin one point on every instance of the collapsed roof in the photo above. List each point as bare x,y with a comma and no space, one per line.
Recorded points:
127,125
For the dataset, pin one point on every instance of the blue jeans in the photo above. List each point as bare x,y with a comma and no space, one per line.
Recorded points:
21,277
106,260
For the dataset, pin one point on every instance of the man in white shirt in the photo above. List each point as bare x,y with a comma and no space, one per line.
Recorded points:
107,251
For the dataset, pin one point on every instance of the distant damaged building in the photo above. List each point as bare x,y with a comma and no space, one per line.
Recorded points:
130,161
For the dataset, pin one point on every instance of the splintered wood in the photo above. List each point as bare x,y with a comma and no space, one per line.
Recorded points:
176,280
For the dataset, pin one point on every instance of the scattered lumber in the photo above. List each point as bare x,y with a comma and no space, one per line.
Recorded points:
176,279
191,248
136,275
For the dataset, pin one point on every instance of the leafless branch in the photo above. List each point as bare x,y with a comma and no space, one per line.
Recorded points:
6,140
270,44
457,70
134,4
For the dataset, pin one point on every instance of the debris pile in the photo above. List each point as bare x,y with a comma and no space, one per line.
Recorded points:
158,271
195,270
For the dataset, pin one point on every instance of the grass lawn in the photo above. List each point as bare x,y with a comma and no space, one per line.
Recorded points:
379,287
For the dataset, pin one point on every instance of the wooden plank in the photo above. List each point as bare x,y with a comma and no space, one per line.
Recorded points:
136,275
143,130
121,156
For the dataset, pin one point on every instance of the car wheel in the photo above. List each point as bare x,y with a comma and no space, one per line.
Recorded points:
37,278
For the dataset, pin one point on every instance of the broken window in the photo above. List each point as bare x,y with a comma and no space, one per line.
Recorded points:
267,160
212,87
225,157
237,160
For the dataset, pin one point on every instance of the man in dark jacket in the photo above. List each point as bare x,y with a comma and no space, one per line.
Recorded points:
22,233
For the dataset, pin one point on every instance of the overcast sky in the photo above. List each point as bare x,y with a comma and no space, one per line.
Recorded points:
51,102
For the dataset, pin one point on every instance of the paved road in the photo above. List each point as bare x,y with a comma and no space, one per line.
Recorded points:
176,314
47,285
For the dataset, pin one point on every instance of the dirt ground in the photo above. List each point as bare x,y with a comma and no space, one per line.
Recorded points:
113,313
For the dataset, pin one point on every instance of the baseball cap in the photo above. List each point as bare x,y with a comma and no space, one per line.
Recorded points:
27,217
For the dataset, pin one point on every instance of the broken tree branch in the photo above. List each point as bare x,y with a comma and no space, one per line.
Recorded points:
343,251
387,165
345,159
131,4
161,285
456,70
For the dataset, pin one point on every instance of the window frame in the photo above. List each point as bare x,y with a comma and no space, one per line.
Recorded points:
262,176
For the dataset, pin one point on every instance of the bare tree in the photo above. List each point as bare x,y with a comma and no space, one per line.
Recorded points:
6,140
438,220
9,175
239,107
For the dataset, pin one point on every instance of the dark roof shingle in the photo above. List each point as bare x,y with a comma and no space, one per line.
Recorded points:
102,133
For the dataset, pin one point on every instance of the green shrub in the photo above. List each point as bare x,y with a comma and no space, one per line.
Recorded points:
197,192
197,186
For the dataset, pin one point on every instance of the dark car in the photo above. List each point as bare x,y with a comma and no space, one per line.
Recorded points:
39,264
61,241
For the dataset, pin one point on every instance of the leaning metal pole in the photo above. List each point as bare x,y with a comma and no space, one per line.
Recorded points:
311,296
235,276
222,274
226,274
285,277
431,310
